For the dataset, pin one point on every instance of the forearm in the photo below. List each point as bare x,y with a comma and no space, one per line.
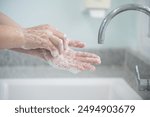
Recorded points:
5,20
11,37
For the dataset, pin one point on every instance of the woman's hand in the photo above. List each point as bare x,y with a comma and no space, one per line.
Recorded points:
70,60
43,37
73,61
47,37
51,45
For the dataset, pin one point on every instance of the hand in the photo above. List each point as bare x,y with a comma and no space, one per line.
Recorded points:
70,60
74,61
44,41
43,37
47,37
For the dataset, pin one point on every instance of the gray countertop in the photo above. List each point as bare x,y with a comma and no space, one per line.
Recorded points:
49,72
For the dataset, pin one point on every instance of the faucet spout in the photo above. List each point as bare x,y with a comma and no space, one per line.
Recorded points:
115,12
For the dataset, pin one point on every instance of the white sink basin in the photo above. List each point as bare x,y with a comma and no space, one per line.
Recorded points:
67,88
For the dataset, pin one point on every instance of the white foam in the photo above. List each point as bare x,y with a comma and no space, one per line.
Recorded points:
72,70
63,62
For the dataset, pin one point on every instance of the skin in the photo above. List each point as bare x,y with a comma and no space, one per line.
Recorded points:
46,42
10,37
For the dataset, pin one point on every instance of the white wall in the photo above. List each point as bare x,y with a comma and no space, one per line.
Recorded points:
67,16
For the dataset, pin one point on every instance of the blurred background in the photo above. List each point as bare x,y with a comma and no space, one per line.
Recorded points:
127,41
70,17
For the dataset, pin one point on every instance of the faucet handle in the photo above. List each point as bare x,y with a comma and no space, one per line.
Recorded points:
138,76
137,73
139,80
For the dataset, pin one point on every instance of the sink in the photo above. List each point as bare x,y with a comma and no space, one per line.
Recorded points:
67,89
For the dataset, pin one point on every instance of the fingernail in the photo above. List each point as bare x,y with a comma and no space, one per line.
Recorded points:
55,53
98,61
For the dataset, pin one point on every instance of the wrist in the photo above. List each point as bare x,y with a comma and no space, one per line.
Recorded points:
11,37
21,37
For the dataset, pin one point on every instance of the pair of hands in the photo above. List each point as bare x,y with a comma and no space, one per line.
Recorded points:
50,44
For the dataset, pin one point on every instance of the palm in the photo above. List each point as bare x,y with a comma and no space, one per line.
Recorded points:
73,61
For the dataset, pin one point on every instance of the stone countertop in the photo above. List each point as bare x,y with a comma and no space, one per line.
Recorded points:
49,72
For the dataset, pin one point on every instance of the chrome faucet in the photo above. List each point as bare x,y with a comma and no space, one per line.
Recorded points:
144,86
115,12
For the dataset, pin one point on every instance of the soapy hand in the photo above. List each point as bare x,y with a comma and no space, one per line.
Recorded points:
70,60
52,45
73,61
43,37
49,38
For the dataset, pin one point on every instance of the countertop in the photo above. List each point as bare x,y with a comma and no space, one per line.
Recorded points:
49,72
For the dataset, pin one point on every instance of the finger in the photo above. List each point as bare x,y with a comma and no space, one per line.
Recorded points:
58,34
74,66
39,30
70,66
54,51
42,38
57,42
82,66
63,37
46,34
88,67
88,60
77,44
86,54
46,44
